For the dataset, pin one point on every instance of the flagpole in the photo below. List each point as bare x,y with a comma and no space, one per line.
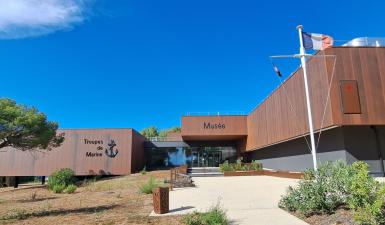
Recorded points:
309,115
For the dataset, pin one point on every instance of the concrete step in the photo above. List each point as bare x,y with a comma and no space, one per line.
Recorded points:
204,172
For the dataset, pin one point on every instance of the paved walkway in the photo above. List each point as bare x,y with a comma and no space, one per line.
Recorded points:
248,200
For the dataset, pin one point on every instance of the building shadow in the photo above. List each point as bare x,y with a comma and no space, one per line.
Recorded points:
35,200
59,212
181,209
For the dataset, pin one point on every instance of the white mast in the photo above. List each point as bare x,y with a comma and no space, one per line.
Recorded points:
309,115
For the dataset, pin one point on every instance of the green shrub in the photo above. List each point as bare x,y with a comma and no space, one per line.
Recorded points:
214,216
320,192
335,184
239,166
147,187
70,189
363,187
372,212
226,166
255,165
58,188
62,177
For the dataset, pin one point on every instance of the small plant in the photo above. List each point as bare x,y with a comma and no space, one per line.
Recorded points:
363,187
147,187
214,216
70,189
33,196
58,188
225,166
255,165
143,171
62,177
239,166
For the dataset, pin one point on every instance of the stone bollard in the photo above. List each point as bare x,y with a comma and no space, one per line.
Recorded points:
160,196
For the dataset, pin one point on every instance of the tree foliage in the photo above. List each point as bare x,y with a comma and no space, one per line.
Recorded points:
26,128
153,131
164,133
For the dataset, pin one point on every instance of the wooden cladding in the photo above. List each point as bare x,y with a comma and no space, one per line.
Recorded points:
356,79
283,114
350,97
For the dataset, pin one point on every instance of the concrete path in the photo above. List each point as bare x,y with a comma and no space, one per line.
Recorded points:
248,200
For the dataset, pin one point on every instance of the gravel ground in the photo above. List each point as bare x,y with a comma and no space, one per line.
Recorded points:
105,202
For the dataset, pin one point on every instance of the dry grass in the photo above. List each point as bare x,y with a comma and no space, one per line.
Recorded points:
105,202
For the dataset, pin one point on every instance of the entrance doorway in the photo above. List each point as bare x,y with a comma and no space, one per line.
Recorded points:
206,158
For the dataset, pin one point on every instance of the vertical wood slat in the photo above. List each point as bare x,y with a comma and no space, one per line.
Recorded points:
364,64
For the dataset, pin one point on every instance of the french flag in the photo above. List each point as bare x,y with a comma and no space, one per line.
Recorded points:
316,41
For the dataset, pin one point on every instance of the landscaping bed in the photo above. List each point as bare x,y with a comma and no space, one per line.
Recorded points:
254,169
337,193
341,216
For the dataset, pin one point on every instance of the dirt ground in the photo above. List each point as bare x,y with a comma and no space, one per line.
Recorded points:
110,201
340,217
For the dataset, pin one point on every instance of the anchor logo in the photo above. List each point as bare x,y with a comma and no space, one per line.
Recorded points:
110,152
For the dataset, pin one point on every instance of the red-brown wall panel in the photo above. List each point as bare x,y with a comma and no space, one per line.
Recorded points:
73,154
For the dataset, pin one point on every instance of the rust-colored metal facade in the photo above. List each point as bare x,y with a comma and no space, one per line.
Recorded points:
282,116
213,127
84,151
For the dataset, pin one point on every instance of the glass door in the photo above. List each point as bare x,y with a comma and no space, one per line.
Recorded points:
205,158
214,158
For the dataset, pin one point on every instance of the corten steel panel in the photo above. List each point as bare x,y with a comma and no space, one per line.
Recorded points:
137,154
367,67
283,114
227,127
73,154
350,97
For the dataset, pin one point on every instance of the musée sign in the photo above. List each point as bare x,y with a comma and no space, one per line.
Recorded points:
213,126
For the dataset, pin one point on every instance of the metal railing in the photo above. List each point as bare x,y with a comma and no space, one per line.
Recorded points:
366,42
163,139
220,113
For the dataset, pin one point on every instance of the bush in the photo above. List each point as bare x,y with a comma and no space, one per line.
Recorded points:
320,192
58,188
147,187
336,184
255,165
62,180
363,187
61,177
225,166
367,197
70,189
239,166
214,216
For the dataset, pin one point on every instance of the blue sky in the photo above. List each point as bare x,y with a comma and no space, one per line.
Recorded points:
134,63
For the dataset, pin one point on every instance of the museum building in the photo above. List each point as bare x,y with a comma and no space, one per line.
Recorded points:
347,92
